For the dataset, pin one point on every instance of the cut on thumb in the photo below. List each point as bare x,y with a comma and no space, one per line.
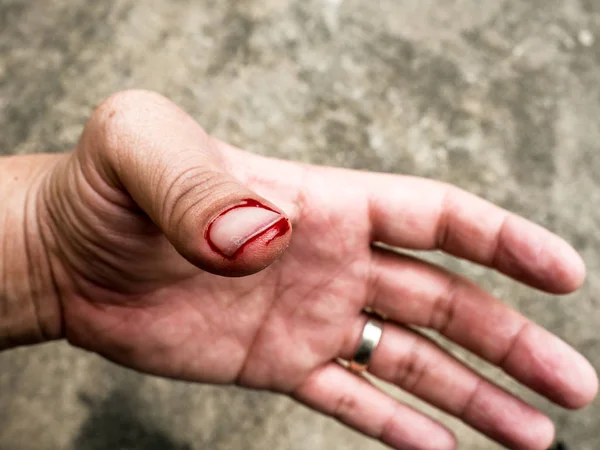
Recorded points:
173,170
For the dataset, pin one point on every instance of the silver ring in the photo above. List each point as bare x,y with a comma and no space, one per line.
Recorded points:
371,335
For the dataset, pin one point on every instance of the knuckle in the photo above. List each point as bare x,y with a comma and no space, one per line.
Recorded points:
192,186
444,308
465,410
120,117
122,109
346,406
443,233
389,425
195,193
498,252
412,368
514,343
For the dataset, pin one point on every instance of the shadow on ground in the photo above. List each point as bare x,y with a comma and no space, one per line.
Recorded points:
114,422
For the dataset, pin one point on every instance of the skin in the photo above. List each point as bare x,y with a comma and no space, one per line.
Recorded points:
105,246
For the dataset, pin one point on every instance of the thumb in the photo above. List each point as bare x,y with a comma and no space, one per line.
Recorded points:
173,171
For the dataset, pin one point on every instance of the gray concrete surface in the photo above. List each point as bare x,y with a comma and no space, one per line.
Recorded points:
501,97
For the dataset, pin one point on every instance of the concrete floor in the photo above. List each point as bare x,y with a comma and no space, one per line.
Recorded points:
498,96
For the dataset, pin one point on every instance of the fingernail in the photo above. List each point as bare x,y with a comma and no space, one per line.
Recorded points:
234,228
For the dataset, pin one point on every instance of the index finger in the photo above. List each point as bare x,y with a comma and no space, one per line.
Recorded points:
422,214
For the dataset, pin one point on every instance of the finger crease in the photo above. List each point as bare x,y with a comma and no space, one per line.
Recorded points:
513,344
374,277
444,308
172,187
466,407
389,424
497,247
346,403
442,233
411,371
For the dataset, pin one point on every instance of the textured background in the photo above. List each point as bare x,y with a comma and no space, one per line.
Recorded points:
498,96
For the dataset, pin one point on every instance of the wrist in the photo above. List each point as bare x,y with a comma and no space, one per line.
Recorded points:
29,301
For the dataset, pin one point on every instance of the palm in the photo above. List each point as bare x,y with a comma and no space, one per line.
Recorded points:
301,307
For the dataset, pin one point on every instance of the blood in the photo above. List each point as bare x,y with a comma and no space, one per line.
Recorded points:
278,229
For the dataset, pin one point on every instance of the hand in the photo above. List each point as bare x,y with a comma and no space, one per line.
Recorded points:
144,273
